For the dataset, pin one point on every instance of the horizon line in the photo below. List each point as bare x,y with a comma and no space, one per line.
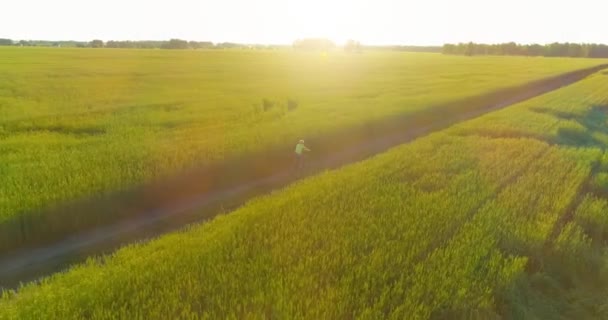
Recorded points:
337,43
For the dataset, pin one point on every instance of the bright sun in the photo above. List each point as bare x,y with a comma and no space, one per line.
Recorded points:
363,20
335,20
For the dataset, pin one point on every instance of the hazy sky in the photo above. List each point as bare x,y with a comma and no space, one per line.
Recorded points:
282,21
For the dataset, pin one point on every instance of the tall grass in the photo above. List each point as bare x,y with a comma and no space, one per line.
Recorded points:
78,123
492,218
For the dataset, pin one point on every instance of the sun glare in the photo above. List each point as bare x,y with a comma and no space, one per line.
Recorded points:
365,21
334,20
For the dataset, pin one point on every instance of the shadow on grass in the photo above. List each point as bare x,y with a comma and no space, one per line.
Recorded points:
82,131
594,124
568,278
591,130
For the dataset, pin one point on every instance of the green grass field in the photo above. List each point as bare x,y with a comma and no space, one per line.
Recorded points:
501,216
82,122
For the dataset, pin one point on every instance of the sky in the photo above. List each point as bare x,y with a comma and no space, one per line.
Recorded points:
376,22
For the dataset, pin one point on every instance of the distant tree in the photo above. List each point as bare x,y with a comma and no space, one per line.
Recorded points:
149,44
449,49
175,44
229,45
113,44
479,50
512,48
6,42
575,50
536,50
469,49
585,51
200,44
598,51
96,44
556,50
124,44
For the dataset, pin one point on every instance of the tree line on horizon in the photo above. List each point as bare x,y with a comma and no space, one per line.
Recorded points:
322,44
128,44
575,50
306,44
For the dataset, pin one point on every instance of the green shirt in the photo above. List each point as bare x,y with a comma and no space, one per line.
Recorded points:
300,148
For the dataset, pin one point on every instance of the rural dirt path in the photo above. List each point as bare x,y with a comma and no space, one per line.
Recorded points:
33,251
